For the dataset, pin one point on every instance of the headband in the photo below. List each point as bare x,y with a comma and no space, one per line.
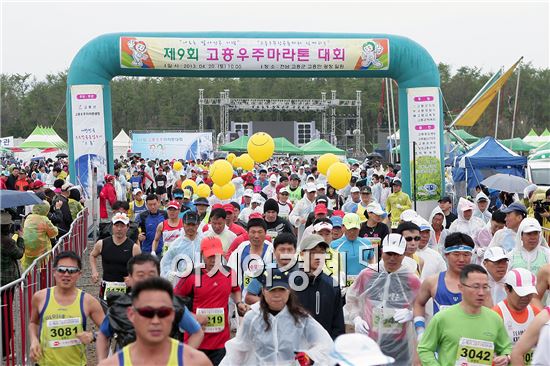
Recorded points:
459,248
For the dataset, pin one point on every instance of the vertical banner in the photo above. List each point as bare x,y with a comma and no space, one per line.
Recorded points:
424,145
6,141
88,134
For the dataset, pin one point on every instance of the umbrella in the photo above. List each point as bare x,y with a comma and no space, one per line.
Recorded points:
506,182
16,198
375,155
61,155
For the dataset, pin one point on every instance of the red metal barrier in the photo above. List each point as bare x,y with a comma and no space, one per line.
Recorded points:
15,320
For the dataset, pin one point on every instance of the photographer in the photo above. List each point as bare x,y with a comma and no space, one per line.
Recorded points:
542,214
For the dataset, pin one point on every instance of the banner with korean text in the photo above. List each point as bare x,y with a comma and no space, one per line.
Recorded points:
88,134
425,148
266,54
6,141
172,145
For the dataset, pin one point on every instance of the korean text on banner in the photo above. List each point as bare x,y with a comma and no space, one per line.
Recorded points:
88,134
424,131
172,145
267,54
6,141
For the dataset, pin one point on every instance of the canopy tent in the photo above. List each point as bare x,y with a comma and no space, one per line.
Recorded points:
470,139
545,146
533,139
121,144
546,133
540,155
484,159
283,146
517,144
235,145
321,146
42,138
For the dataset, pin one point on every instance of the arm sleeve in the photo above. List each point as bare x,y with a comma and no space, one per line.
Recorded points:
254,287
51,229
429,344
105,328
188,323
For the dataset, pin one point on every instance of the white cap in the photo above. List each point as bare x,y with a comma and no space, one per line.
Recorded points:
284,190
355,190
306,166
394,243
136,191
310,187
248,193
422,223
529,225
66,186
375,208
494,254
408,215
321,226
120,217
273,178
321,186
356,349
257,198
522,281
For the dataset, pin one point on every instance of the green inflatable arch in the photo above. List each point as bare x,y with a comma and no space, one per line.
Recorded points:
378,56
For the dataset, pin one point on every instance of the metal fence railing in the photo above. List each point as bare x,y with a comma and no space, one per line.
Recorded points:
16,297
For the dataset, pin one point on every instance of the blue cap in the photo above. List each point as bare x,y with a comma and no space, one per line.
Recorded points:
336,221
515,206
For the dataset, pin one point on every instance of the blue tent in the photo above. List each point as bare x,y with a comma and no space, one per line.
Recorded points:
485,158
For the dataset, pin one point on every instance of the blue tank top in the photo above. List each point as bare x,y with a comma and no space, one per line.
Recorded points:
244,254
443,297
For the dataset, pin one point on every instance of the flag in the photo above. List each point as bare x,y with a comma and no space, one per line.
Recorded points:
473,111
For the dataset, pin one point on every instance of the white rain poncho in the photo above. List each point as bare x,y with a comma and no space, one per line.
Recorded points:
375,296
253,345
485,215
470,227
433,243
530,260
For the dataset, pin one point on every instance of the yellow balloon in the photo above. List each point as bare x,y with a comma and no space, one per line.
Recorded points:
224,192
260,147
339,175
203,190
189,182
247,163
221,172
177,166
230,157
325,161
236,162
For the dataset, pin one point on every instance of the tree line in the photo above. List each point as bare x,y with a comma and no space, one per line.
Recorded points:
140,103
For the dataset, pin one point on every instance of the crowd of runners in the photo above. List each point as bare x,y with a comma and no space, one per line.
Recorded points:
290,271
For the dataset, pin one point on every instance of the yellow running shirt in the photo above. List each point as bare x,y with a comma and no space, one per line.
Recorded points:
175,359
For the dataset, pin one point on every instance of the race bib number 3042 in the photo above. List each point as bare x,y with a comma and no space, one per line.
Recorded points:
473,352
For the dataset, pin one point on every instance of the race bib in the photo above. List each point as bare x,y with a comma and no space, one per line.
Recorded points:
62,332
384,322
473,352
528,357
272,233
350,279
246,281
135,184
216,319
160,183
113,287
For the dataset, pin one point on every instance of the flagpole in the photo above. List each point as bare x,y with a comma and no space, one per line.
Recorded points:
389,118
498,109
390,81
515,105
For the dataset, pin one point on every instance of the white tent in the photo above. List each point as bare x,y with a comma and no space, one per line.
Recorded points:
121,144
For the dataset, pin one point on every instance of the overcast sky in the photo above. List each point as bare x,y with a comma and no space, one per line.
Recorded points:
42,37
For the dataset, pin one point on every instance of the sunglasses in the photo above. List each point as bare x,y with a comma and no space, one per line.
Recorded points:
69,270
411,238
149,312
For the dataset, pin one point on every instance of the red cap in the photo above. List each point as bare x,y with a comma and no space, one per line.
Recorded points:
37,184
210,246
255,215
109,177
217,205
320,209
173,204
228,207
338,213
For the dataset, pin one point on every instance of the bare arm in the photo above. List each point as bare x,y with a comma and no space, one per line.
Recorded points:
528,339
251,299
34,325
96,252
423,296
95,311
102,346
194,357
156,240
237,298
543,278
195,339
136,250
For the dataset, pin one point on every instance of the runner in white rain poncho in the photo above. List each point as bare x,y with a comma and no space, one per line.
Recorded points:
291,333
529,253
380,303
466,222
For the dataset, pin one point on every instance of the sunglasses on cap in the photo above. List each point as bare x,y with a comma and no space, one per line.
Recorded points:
69,270
411,238
150,312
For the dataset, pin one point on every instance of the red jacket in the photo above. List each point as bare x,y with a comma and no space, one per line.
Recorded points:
108,193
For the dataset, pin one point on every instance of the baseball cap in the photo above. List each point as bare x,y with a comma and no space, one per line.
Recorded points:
38,184
137,190
397,182
120,217
187,194
257,198
294,176
201,201
351,221
366,189
422,223
5,218
278,279
228,207
211,245
190,217
445,199
311,241
355,190
336,221
494,254
310,187
322,226
394,243
320,209
109,177
375,208
408,215
283,190
515,206
356,349
321,198
173,204
522,281
321,186
66,186
529,225
248,193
